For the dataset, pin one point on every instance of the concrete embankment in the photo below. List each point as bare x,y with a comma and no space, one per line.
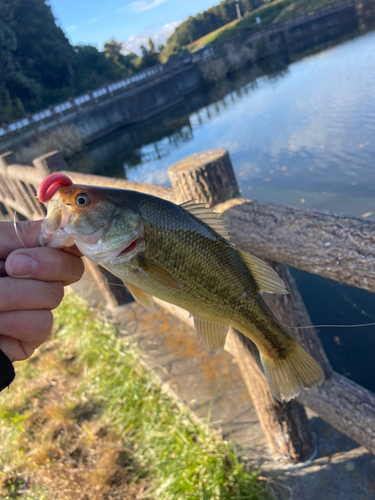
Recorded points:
136,105
129,106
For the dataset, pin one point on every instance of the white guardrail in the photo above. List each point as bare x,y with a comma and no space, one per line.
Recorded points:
93,96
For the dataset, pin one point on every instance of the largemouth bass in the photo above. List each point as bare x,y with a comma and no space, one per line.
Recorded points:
179,253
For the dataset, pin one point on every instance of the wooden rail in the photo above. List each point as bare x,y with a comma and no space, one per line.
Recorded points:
335,246
338,247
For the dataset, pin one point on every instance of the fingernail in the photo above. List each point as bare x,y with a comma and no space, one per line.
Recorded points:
21,265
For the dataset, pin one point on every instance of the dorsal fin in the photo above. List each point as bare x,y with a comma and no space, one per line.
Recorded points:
207,215
266,278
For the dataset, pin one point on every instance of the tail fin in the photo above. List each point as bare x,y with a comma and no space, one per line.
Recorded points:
288,376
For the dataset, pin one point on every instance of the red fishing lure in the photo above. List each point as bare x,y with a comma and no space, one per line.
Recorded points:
51,184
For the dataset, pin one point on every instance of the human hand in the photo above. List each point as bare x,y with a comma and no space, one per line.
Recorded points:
32,283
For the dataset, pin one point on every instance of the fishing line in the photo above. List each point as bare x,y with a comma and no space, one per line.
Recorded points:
326,326
124,286
278,322
15,215
351,302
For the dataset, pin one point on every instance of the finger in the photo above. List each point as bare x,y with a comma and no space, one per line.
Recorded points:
45,264
26,294
73,249
21,332
16,350
2,269
28,235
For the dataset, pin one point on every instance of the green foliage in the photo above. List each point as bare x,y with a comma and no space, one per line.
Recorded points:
149,56
39,66
210,20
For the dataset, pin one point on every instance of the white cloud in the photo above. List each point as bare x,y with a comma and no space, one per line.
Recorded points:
95,19
133,43
71,28
142,5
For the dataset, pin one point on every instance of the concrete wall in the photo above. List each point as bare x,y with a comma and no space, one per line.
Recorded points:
136,105
96,117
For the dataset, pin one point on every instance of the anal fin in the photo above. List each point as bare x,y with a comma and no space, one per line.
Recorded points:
211,335
141,297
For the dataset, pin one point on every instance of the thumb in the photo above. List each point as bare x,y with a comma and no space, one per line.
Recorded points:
27,234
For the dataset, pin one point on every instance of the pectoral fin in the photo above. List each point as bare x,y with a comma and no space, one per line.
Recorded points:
266,278
157,273
141,297
211,335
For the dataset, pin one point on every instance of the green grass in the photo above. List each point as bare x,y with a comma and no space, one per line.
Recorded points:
204,40
86,420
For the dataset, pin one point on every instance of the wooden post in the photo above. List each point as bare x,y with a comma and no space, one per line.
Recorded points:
7,158
207,177
290,310
344,404
285,425
50,163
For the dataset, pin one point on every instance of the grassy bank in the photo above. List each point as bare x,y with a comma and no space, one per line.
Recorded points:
85,420
267,14
279,11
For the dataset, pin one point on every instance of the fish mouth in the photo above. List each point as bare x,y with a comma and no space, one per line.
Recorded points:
52,231
130,248
60,238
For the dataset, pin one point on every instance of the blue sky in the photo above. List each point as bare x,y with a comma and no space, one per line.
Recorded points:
96,21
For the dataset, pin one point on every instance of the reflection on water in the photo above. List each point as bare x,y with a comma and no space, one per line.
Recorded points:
300,131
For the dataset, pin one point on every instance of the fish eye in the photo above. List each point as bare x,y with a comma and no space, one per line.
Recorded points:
82,200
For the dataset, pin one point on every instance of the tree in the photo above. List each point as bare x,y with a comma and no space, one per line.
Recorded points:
149,56
152,46
12,80
39,60
112,50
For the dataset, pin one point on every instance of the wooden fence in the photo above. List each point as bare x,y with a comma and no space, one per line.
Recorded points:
334,246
